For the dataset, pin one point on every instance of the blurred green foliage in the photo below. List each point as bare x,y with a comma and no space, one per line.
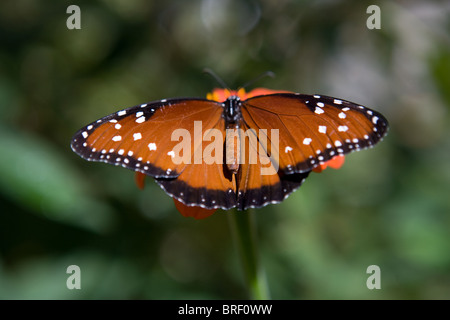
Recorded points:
387,206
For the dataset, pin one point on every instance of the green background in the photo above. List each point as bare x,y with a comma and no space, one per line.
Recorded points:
388,206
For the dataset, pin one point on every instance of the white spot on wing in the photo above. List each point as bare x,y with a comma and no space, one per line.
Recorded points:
320,104
342,115
152,146
345,109
342,128
375,120
170,153
323,129
140,120
287,149
337,101
116,138
318,110
137,136
84,134
89,127
117,126
307,141
121,113
337,143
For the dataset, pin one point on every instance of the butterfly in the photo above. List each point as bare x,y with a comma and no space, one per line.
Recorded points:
232,149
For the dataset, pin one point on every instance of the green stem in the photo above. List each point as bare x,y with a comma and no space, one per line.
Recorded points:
243,229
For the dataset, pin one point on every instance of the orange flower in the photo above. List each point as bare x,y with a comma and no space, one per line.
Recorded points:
335,163
193,211
220,95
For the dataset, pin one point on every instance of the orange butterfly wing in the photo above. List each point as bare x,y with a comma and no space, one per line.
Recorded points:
141,138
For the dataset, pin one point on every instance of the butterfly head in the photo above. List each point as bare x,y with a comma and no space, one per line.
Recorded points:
232,109
232,100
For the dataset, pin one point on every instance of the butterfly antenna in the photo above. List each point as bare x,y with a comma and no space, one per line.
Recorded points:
262,75
216,77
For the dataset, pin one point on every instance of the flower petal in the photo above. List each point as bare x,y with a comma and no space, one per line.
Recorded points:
139,178
335,163
192,211
263,91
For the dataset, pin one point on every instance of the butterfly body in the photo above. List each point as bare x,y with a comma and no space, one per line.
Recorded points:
234,149
232,109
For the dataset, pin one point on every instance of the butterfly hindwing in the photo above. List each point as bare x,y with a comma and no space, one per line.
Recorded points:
260,182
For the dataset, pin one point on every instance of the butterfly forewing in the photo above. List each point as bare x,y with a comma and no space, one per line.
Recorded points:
144,138
140,137
313,129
